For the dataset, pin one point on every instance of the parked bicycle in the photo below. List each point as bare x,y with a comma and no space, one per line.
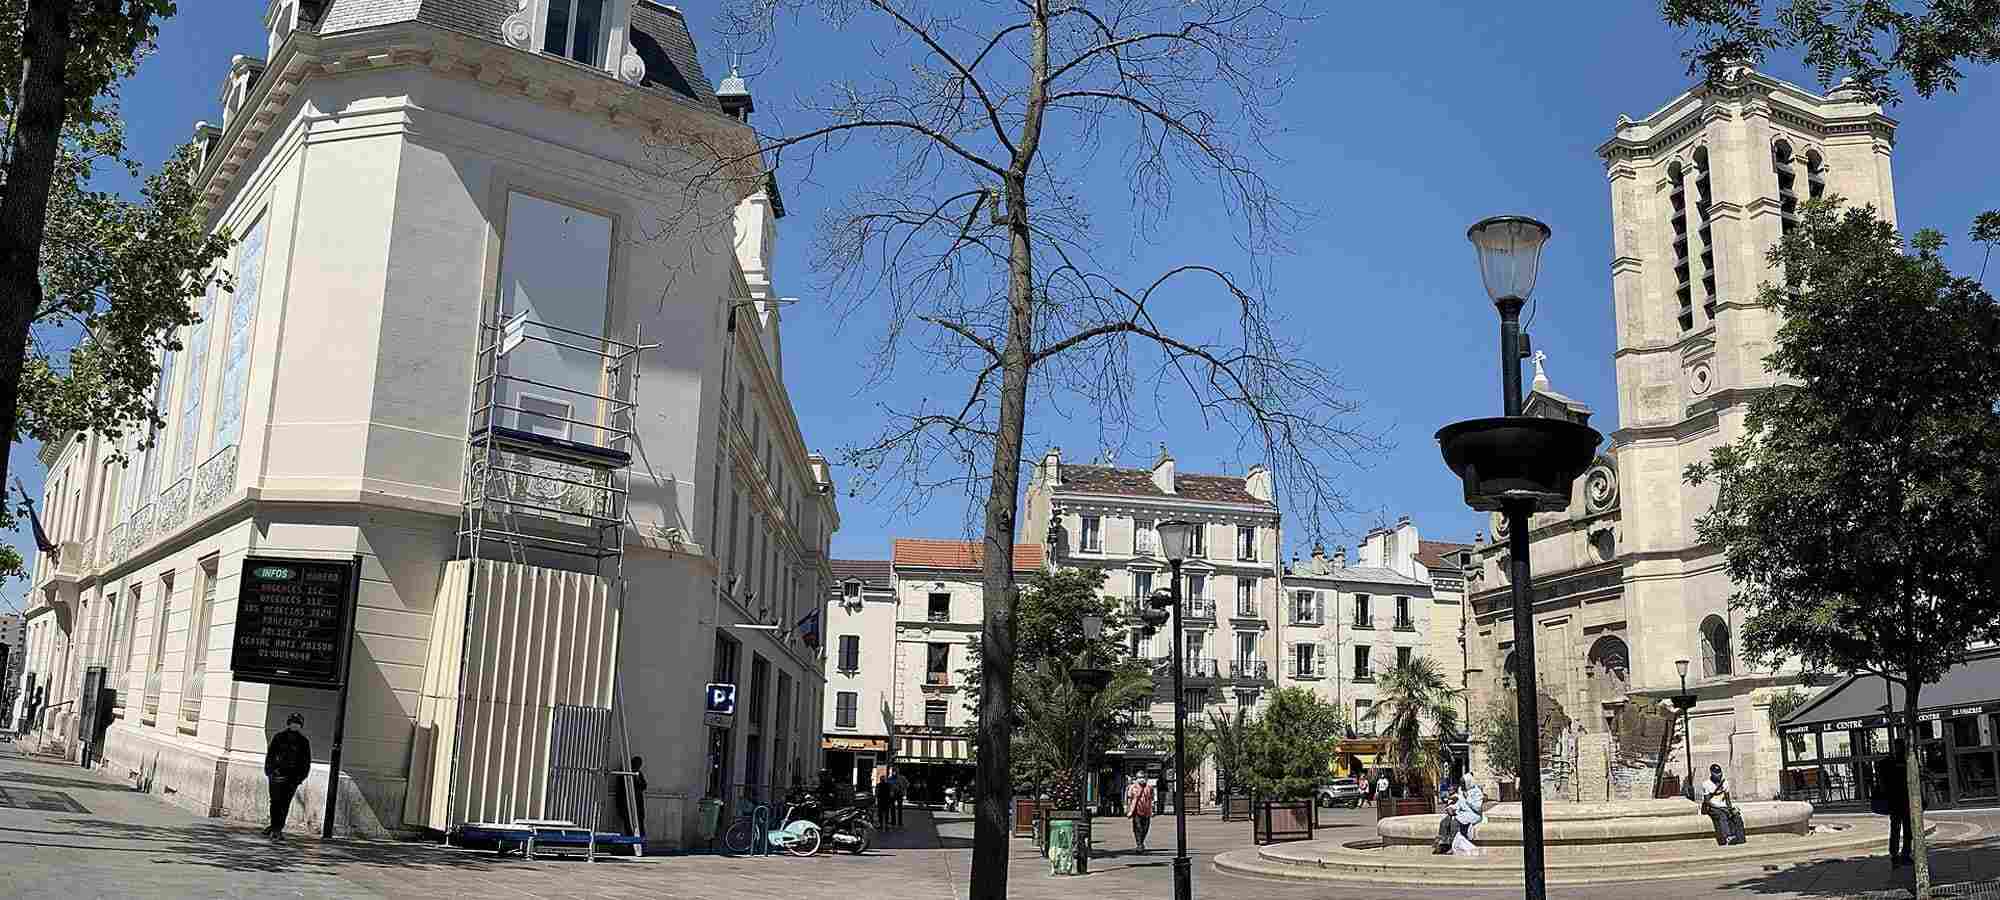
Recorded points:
795,835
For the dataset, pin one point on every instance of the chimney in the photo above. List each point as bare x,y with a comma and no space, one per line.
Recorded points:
1163,470
1052,466
1257,482
733,95
1340,557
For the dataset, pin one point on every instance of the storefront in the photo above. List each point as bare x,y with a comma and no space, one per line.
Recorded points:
1356,757
1832,745
931,759
852,760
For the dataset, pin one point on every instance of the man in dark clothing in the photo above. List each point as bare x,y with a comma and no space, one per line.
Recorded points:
884,797
1892,785
636,827
286,763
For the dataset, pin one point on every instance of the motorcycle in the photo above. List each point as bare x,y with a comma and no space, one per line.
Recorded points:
850,828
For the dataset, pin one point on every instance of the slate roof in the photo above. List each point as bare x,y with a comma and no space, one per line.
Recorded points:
1139,483
967,555
1432,553
1327,571
874,573
659,32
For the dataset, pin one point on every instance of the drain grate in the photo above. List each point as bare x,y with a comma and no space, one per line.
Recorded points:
36,799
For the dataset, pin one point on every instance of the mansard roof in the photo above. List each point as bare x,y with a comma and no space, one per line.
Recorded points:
1113,480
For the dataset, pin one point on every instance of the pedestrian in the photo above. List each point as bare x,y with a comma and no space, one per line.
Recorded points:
1139,805
1893,788
1381,787
898,791
1467,809
1715,804
884,796
634,826
286,764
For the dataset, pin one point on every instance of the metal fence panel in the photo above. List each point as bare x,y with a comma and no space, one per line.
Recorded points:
579,746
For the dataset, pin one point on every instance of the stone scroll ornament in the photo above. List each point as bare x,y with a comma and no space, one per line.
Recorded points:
518,29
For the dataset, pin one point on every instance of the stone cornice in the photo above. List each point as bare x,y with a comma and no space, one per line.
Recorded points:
553,82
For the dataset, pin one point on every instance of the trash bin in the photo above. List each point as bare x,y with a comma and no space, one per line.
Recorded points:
1062,846
711,818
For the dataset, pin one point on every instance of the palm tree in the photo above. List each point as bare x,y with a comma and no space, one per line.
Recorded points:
1416,711
1050,732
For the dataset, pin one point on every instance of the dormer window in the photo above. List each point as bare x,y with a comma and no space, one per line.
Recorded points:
576,31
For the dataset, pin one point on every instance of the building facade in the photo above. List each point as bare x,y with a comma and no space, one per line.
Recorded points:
416,189
1700,189
903,634
1230,582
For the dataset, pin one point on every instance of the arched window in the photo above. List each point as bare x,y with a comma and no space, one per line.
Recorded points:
1815,175
1716,657
1788,197
1507,673
1610,668
1677,178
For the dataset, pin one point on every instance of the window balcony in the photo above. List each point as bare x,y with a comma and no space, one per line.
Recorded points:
1405,624
1364,677
1249,670
1198,608
1192,667
1249,611
1365,622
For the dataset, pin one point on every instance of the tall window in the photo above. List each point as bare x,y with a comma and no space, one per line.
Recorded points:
555,272
1361,708
1142,588
937,664
934,713
236,347
760,677
1684,290
1197,596
1143,537
1246,596
940,607
1403,620
1402,656
199,615
1246,649
850,653
163,398
1305,609
1197,645
725,659
1246,543
1362,671
157,643
1364,617
1304,664
1703,232
844,705
1092,538
1715,651
576,30
1198,540
1815,175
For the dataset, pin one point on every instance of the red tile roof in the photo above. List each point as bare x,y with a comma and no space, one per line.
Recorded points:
1432,553
968,555
1139,483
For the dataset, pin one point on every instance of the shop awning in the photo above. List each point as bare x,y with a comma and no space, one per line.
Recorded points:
1363,759
1866,701
930,748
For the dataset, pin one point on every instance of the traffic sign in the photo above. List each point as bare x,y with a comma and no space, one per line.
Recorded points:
721,699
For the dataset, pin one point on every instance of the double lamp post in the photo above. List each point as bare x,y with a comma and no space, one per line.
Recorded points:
1518,465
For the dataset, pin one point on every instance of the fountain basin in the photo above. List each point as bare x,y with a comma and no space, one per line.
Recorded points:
1618,822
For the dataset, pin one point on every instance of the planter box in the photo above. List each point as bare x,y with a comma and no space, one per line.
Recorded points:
1407,806
1275,821
1027,812
1236,809
1670,786
1508,793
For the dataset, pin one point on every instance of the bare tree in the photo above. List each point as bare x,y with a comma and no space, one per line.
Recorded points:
999,131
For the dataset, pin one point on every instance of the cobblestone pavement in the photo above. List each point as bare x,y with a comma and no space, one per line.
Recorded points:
68,834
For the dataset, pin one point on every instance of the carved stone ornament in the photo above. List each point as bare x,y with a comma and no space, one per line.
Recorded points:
631,69
519,28
1700,378
1600,488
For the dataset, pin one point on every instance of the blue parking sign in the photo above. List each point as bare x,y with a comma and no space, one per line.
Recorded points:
721,699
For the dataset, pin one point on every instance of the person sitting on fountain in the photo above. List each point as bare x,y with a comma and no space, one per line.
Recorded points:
1728,821
1466,810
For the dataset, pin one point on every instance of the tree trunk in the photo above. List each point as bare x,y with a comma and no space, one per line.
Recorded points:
41,104
1913,782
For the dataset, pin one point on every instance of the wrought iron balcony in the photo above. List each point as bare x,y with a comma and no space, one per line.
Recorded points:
1249,670
1197,608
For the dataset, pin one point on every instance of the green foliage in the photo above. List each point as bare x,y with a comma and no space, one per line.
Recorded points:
1232,735
1857,514
1049,713
1871,41
119,280
1411,699
1291,746
1783,703
1497,727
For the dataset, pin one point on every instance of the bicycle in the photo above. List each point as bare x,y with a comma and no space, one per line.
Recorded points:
798,837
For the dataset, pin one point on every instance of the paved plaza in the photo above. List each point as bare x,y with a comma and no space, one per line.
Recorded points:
67,834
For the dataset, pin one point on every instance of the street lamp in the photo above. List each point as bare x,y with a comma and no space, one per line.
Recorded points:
1685,702
1089,681
1174,537
1518,465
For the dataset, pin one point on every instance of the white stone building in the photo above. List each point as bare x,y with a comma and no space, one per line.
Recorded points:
1700,189
1230,580
402,178
1342,625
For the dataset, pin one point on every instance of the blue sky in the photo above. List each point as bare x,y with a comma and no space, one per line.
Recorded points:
1405,123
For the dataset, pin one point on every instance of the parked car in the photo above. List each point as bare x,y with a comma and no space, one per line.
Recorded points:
1341,792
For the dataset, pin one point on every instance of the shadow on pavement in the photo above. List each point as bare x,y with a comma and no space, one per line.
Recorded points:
242,849
74,784
1863,876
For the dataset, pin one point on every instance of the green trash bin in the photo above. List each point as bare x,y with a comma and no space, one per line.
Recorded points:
1062,846
711,819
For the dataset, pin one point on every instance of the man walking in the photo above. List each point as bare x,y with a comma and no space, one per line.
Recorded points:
1139,805
286,764
1892,785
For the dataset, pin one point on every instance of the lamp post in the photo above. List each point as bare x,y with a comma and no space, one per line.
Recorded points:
1174,546
1089,681
1685,702
1518,465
